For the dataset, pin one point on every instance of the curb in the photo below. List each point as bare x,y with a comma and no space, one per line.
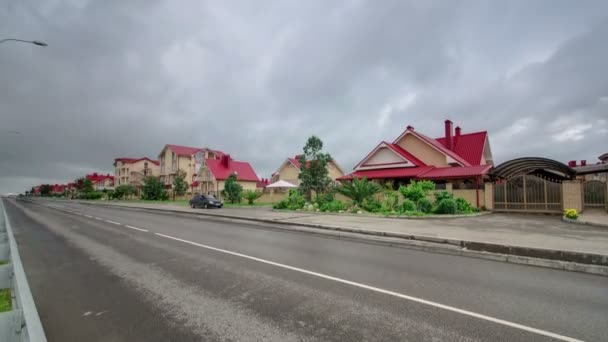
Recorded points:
397,217
562,260
584,223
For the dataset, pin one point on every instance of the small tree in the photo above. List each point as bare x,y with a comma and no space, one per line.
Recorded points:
124,191
153,189
359,190
45,190
313,168
180,186
251,196
416,191
232,190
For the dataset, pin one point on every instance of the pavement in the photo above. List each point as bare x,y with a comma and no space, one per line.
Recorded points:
594,217
105,274
524,230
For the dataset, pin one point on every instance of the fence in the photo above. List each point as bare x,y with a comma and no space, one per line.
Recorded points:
22,323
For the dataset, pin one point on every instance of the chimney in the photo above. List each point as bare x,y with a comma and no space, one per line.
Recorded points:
572,163
457,131
583,162
448,134
226,160
410,128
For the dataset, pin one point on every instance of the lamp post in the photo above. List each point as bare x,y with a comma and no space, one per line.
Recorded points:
35,42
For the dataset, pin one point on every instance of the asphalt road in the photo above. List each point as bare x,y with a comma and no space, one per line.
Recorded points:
109,274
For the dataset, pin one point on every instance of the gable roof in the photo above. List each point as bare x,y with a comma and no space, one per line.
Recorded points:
221,171
396,149
435,144
96,178
403,172
469,146
296,162
127,160
455,172
183,150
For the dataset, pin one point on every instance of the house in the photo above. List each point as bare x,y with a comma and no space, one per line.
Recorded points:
101,182
214,172
289,171
133,170
587,172
189,159
456,160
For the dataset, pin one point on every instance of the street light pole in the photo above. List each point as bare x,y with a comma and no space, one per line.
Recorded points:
35,42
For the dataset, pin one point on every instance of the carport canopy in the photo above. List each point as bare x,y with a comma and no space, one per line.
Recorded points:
521,166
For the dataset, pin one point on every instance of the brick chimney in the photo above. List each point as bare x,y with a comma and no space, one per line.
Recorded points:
448,134
572,163
583,162
410,128
226,161
457,131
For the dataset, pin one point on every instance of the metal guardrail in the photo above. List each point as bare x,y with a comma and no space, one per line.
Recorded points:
22,323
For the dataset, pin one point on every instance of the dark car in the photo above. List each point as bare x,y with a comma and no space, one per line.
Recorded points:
205,201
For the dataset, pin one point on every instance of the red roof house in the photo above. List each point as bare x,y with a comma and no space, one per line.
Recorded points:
414,155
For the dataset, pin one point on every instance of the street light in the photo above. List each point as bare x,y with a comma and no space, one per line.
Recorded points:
35,42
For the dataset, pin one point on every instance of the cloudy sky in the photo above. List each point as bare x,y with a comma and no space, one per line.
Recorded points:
256,78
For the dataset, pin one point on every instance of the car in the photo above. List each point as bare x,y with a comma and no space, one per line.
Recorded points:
205,201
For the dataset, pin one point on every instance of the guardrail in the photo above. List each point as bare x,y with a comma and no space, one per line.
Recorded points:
22,323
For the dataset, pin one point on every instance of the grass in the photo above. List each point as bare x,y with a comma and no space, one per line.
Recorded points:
3,262
245,205
6,302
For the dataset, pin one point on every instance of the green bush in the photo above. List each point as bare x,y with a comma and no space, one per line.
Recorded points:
251,196
333,206
442,195
446,206
389,201
425,205
407,205
92,195
462,206
359,190
415,191
325,198
294,201
372,205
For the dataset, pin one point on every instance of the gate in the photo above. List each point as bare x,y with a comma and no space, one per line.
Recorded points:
528,193
594,194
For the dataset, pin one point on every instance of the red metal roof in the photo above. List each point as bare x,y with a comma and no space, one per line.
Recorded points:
469,146
184,150
295,161
455,172
221,171
95,177
401,172
441,148
127,160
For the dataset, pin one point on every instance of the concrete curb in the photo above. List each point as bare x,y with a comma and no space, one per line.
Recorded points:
555,259
584,223
398,217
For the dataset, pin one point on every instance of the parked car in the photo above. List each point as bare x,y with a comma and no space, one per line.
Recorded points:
205,201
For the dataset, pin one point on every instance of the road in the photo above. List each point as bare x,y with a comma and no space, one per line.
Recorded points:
109,274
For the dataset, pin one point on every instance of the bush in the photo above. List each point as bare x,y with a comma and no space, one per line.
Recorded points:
415,191
251,196
333,206
571,214
425,205
92,195
446,206
407,206
359,190
372,205
462,206
294,201
442,195
325,198
389,201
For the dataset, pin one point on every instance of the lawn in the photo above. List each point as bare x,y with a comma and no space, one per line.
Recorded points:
5,300
177,202
245,205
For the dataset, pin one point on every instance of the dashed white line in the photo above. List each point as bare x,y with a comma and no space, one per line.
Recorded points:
99,218
112,222
387,292
89,216
143,230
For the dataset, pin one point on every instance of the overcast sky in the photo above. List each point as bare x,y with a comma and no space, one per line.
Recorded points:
256,78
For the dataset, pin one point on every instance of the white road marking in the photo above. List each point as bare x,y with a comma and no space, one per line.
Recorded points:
143,230
112,222
387,292
99,218
89,216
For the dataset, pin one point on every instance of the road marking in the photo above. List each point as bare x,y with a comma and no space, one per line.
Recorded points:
387,292
89,216
112,222
99,218
143,230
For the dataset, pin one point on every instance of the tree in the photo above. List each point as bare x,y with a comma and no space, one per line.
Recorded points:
359,190
45,190
180,186
313,170
153,189
251,196
125,190
232,190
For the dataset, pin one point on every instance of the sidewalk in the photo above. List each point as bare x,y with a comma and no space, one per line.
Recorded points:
518,230
594,217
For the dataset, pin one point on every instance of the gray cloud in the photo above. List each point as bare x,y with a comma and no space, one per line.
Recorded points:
123,78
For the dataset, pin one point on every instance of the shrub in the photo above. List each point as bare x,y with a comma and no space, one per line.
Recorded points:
425,205
359,190
462,206
407,206
416,190
571,214
325,198
333,206
294,201
442,195
251,196
232,190
446,206
92,195
389,201
372,205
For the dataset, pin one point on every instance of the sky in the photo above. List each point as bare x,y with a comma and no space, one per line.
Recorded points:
256,78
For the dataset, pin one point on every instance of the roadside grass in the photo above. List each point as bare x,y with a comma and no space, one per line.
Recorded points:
3,262
177,202
6,302
245,205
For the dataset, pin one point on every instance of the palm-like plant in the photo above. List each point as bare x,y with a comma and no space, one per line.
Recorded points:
251,196
359,190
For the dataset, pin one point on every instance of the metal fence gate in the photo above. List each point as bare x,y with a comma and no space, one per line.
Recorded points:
594,194
528,193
